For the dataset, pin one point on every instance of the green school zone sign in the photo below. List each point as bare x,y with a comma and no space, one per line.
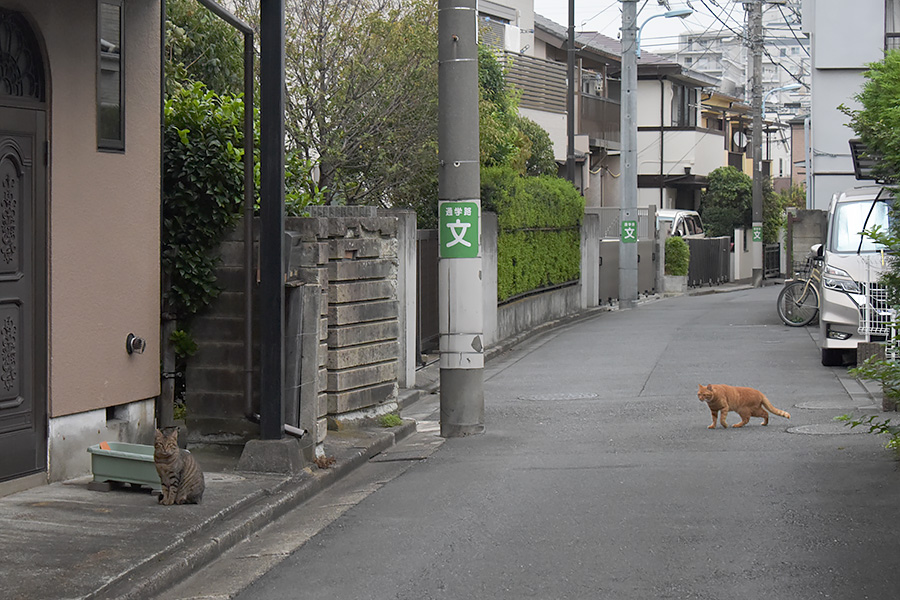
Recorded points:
458,229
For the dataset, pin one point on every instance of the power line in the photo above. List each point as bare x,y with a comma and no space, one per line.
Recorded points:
794,33
583,23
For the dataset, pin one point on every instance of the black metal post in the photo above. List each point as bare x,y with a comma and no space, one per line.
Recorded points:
570,97
271,238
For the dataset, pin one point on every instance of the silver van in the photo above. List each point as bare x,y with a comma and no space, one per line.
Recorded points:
853,302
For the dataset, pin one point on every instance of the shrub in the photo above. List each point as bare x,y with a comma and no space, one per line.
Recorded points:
541,161
203,191
727,202
539,238
678,256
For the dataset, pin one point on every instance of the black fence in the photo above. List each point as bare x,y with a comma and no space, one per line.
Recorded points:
710,261
771,261
427,324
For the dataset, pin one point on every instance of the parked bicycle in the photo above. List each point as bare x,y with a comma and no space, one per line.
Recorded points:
798,302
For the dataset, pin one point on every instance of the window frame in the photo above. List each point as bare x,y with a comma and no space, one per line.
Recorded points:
107,144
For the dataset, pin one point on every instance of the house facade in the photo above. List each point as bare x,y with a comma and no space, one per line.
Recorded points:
676,148
841,50
79,252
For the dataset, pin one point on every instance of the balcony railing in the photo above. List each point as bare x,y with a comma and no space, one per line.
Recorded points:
542,82
600,120
543,86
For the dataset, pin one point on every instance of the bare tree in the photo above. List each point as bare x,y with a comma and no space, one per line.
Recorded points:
361,82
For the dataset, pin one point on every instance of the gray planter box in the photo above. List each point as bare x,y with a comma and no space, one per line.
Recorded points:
124,463
674,285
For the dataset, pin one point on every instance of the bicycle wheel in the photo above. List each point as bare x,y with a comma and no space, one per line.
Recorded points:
798,304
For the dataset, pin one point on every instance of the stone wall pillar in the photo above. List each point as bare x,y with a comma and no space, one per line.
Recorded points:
363,314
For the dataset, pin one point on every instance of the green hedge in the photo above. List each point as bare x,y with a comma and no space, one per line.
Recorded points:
539,237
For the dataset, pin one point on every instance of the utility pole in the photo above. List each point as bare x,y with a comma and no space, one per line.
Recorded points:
570,97
628,248
755,31
459,217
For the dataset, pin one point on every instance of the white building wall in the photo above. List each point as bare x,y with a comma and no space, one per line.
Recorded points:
841,49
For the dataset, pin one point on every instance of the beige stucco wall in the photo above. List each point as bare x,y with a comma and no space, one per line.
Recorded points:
104,211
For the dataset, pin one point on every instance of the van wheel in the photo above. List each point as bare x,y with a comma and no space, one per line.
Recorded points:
832,357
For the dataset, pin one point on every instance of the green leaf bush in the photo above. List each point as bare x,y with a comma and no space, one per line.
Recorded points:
539,237
202,191
678,256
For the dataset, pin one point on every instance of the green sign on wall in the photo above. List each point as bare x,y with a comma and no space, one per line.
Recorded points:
458,233
629,232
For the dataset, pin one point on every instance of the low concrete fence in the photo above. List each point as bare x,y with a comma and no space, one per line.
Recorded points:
533,310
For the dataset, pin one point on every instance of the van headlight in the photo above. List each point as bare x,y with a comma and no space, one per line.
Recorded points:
840,280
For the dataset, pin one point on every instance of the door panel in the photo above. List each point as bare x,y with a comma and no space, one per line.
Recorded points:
23,405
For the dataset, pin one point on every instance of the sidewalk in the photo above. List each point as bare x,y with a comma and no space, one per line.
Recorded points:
63,541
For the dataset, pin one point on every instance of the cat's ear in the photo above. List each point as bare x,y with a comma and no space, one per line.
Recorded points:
709,387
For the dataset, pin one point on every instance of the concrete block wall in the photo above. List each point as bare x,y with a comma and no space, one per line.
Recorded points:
215,374
342,271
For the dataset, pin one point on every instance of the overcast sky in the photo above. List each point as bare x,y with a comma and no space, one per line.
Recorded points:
605,16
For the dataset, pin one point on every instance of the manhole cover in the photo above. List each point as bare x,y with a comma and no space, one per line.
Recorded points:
559,397
826,429
222,478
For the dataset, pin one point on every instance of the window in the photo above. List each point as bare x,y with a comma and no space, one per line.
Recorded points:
110,76
892,25
688,61
684,106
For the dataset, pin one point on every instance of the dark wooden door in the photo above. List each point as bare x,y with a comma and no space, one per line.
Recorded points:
23,405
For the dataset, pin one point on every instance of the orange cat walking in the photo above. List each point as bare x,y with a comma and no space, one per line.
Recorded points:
745,401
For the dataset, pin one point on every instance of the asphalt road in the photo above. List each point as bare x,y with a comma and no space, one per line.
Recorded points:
598,478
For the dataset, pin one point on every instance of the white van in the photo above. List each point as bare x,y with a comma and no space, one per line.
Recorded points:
853,304
684,223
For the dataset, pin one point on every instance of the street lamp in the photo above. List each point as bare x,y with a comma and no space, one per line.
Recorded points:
786,88
679,12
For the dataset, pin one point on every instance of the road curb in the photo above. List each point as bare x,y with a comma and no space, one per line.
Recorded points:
230,526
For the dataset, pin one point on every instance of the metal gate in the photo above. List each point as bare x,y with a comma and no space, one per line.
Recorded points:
710,261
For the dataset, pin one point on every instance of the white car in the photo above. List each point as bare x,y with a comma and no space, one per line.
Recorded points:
684,223
853,303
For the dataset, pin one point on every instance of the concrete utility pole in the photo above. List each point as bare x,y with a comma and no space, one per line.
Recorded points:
570,97
755,32
459,217
628,248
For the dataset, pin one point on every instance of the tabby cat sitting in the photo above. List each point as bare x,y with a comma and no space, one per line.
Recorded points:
180,475
745,401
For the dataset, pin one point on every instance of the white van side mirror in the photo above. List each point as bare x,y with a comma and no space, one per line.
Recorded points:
818,250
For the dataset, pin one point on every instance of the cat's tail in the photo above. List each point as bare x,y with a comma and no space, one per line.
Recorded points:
775,411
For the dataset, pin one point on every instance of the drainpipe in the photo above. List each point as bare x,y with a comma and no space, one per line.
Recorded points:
247,32
807,147
248,223
662,137
165,406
